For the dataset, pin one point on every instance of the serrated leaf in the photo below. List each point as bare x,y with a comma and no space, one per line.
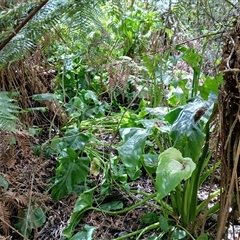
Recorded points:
163,224
149,218
172,169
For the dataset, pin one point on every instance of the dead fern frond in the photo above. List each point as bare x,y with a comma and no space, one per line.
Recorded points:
23,140
15,199
4,217
5,238
120,73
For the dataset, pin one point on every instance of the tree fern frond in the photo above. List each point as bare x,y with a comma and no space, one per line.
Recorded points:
77,15
8,112
11,17
26,39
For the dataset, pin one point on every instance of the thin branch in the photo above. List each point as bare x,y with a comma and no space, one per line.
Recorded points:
21,25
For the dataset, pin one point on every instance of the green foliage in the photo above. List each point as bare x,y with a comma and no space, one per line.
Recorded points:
3,182
8,112
30,219
83,203
74,15
164,130
172,169
187,128
131,151
85,105
195,61
72,168
86,233
45,97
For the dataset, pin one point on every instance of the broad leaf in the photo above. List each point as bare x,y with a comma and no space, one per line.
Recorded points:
75,140
163,224
30,219
134,142
203,237
159,112
179,234
45,96
187,129
72,139
85,234
114,205
72,170
187,135
149,218
150,162
57,145
173,114
210,85
83,203
172,169
159,124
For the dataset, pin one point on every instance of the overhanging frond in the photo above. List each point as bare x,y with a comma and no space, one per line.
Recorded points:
8,112
77,15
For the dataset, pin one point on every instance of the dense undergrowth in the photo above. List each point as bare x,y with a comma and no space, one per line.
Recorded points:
138,98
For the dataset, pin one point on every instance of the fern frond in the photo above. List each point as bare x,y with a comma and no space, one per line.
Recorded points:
8,112
4,218
77,15
12,15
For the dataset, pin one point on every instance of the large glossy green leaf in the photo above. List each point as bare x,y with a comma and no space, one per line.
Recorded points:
172,169
83,203
187,129
173,115
134,142
187,135
72,170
